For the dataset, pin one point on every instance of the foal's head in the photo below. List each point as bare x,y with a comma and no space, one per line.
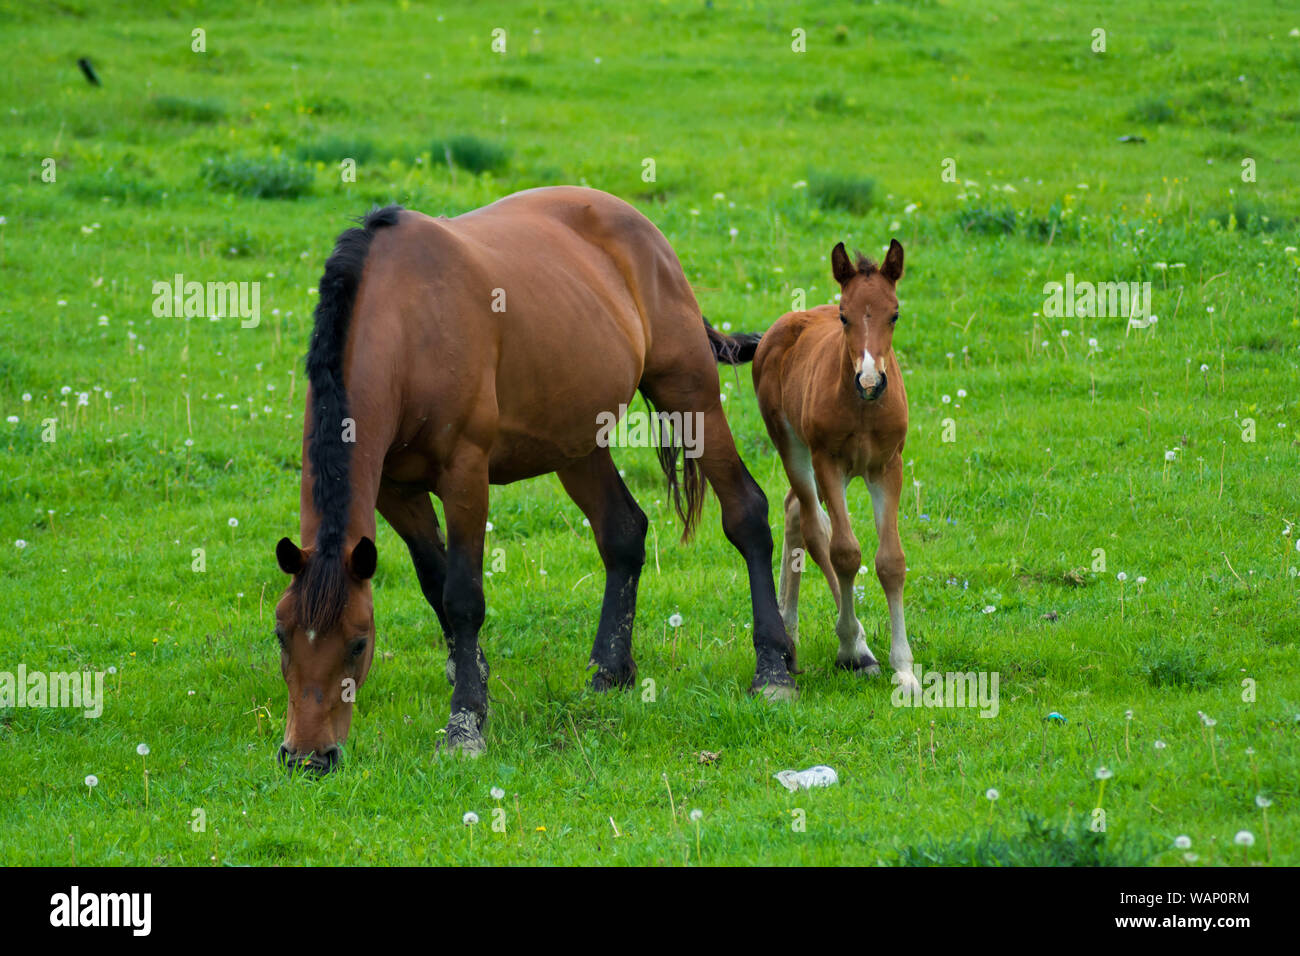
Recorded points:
868,311
325,623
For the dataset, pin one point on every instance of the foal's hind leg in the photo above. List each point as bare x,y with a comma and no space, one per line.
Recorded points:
620,526
744,518
793,559
409,511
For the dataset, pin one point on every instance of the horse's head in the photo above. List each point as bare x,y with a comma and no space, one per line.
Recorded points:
325,623
868,311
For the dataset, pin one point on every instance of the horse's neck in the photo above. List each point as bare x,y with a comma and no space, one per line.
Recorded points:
363,477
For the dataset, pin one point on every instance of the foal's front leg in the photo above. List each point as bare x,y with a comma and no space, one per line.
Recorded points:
846,559
891,566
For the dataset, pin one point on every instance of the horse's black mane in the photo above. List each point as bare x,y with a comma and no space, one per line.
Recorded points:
322,584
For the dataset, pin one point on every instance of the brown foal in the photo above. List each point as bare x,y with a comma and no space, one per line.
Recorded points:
832,398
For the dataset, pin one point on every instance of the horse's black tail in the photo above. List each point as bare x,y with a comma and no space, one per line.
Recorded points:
688,488
732,349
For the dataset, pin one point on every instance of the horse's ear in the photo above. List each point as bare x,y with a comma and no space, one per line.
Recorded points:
363,560
289,556
841,267
893,267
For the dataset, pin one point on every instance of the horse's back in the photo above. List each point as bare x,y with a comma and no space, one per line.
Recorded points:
543,305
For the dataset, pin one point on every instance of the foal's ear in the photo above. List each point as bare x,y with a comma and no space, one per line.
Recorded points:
893,266
289,556
363,560
841,267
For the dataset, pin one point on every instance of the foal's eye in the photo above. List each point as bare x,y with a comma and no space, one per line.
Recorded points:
893,319
844,319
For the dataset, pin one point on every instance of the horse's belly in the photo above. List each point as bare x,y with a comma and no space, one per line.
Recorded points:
543,430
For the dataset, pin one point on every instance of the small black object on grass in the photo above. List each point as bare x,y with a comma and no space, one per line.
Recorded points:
89,71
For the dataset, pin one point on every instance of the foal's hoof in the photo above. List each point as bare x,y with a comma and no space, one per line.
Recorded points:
605,679
907,681
464,737
864,665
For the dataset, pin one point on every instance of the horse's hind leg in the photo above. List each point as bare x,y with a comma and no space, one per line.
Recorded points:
463,488
620,526
409,511
744,515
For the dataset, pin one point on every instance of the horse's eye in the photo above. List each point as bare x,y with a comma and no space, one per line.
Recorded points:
844,319
894,319
282,638
357,648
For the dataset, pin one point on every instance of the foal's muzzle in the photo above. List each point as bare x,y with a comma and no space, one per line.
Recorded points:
873,393
316,764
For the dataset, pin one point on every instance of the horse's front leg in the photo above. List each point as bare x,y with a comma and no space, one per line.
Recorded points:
463,489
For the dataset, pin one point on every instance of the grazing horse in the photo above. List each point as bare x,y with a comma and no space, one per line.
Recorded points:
452,354
833,401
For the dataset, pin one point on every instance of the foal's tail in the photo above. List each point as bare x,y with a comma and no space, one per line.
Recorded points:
732,349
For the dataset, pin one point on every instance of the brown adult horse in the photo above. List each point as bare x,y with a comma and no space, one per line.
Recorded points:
833,401
450,354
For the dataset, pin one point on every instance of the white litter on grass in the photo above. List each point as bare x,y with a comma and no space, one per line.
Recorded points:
819,776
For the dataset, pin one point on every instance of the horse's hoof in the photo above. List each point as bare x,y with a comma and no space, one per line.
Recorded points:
610,680
464,737
774,689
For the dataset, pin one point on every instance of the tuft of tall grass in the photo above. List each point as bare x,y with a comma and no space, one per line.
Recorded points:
256,178
471,153
831,190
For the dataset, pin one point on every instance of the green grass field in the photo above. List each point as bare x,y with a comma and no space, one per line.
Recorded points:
1167,453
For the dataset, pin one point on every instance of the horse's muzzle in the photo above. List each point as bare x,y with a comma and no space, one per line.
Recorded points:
316,764
870,395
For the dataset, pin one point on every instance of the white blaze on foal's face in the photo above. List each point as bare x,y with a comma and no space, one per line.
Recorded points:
868,369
